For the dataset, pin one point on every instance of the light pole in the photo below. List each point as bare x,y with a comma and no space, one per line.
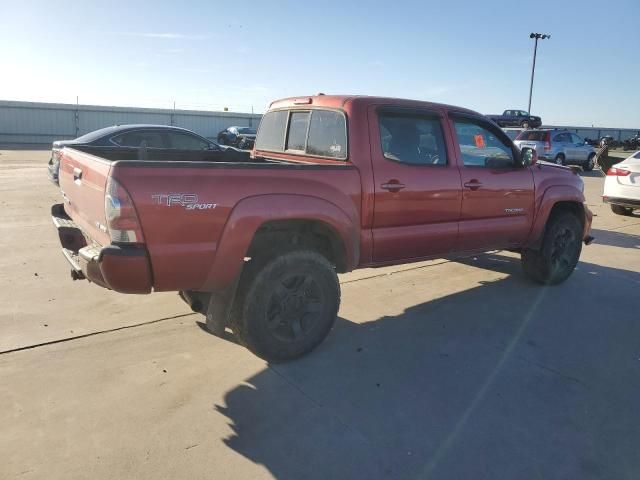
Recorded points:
533,68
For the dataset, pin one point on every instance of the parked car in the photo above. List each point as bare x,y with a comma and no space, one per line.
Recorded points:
516,118
622,185
241,137
512,133
128,142
559,146
592,141
335,183
609,141
632,143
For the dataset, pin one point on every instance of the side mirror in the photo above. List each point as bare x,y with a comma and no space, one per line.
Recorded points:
529,157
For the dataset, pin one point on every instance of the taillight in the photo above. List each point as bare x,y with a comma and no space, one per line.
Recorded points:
618,172
122,219
547,142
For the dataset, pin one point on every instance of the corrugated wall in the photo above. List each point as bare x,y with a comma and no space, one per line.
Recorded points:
30,123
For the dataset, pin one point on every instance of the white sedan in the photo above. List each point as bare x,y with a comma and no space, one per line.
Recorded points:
622,186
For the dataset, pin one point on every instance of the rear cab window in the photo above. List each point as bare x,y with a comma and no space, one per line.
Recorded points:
314,132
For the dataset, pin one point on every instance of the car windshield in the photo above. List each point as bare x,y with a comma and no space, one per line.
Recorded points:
533,135
246,130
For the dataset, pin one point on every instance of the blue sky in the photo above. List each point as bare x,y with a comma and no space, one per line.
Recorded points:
207,55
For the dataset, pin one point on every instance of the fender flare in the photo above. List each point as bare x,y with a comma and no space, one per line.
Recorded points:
552,196
251,213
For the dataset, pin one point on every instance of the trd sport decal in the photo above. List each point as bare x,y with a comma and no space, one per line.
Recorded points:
187,200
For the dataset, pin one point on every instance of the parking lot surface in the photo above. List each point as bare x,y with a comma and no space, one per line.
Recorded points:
439,369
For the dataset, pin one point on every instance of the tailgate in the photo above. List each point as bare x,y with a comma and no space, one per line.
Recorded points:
83,180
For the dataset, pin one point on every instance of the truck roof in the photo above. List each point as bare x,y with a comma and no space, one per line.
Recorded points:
341,101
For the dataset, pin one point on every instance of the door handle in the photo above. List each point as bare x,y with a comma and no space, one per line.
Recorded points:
393,186
473,185
77,174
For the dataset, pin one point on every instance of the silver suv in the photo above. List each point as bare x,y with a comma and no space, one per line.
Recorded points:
558,146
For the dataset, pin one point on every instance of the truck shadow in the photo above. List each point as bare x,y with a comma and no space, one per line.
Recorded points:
616,239
491,382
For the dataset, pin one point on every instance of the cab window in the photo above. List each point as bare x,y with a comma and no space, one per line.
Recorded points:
412,139
482,147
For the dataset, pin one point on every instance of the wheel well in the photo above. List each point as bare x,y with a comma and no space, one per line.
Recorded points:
575,208
281,235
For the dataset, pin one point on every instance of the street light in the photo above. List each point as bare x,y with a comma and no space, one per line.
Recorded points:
533,68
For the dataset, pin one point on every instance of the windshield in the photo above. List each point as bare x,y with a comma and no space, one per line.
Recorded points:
533,135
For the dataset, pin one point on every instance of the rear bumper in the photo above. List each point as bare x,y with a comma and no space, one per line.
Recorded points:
125,269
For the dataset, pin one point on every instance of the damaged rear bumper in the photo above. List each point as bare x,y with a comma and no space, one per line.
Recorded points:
123,268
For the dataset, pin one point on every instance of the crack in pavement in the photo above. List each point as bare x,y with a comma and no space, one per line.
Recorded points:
91,334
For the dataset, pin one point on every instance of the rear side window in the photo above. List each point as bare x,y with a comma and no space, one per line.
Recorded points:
533,136
415,140
272,128
320,133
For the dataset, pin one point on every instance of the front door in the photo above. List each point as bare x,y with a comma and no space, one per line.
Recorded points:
417,191
498,193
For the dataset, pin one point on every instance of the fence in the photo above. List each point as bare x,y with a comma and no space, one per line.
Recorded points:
31,123
596,133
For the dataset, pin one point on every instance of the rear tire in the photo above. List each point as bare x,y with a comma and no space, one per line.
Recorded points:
559,159
620,210
558,256
587,167
288,307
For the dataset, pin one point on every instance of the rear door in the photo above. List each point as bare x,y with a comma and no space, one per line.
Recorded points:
498,194
581,151
83,179
417,191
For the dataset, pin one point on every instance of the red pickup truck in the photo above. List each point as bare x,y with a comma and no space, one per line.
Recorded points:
334,183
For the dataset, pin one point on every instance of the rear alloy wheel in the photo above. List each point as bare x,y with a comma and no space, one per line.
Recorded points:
288,308
587,167
560,159
620,210
558,256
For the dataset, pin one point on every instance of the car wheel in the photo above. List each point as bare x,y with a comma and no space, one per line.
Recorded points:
559,159
288,308
620,210
525,125
559,252
587,167
242,144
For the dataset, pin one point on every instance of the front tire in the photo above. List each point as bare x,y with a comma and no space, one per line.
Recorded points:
525,125
620,210
587,167
288,307
558,256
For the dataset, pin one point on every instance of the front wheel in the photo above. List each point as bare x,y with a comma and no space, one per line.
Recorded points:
558,256
289,306
525,125
590,163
